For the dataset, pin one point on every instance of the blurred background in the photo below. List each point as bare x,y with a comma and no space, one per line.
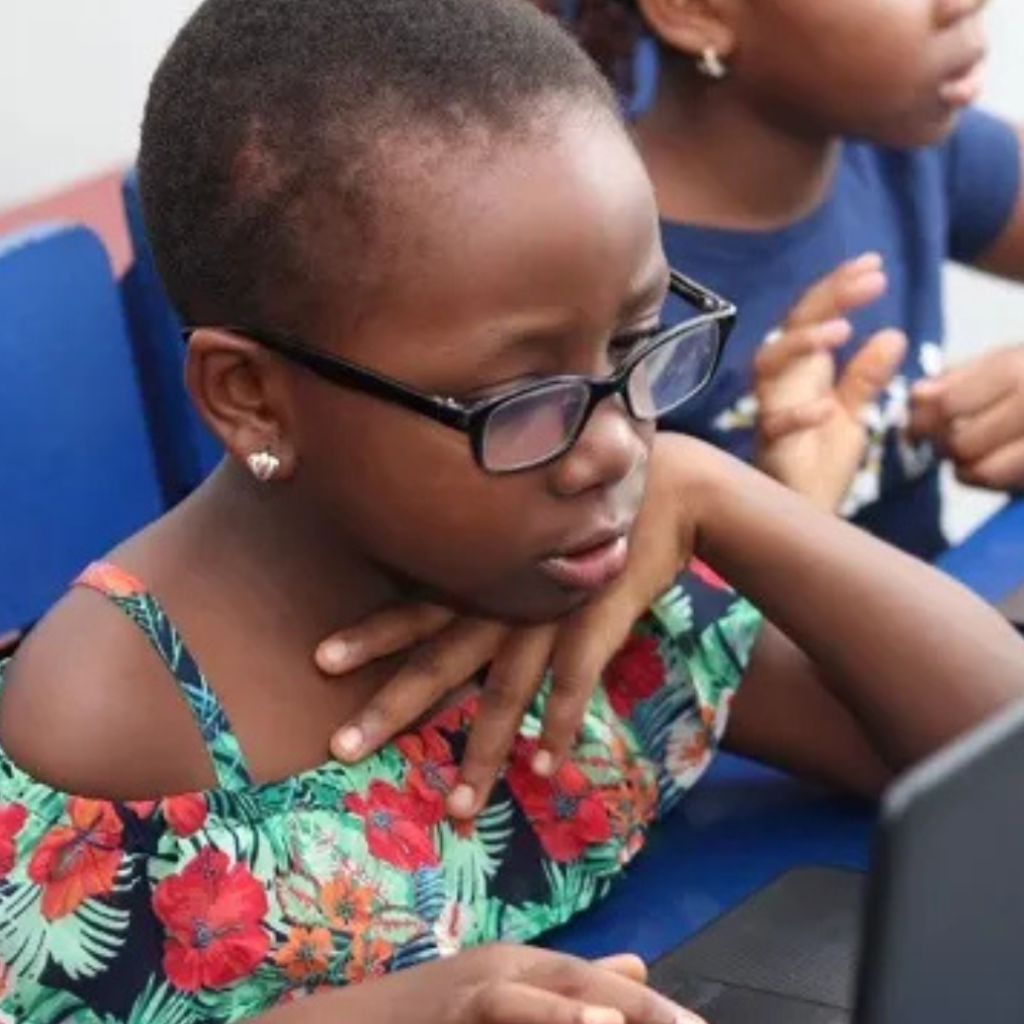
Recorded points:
73,77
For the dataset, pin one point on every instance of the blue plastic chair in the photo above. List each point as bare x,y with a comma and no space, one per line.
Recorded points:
186,450
77,472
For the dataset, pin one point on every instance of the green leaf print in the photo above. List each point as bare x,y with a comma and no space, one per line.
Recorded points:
37,1004
724,649
469,863
594,759
419,951
22,941
655,718
85,942
162,1005
431,893
741,628
82,943
387,765
250,997
674,610
572,885
603,861
317,842
396,926
298,896
573,888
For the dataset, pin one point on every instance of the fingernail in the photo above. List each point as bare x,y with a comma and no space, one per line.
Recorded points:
462,801
600,1015
349,742
543,764
869,261
334,654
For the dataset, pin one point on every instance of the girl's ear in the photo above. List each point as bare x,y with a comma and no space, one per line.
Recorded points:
239,390
692,27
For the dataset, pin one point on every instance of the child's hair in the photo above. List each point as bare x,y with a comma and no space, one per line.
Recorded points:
271,125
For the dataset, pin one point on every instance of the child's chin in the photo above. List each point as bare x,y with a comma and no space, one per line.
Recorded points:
541,604
925,131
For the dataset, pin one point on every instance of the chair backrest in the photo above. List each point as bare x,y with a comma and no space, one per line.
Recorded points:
186,451
76,463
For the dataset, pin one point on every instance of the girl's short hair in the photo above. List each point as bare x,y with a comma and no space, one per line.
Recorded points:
270,126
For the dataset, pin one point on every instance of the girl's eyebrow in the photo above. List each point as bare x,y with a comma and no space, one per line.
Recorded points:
653,289
534,335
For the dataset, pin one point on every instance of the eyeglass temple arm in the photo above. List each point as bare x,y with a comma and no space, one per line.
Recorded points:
699,295
437,407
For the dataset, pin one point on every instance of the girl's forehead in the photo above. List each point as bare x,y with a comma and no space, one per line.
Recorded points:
567,213
536,239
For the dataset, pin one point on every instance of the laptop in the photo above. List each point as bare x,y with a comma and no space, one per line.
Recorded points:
934,934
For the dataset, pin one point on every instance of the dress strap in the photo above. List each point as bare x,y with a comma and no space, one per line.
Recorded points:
145,611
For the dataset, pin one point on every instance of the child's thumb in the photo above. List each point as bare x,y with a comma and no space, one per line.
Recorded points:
870,370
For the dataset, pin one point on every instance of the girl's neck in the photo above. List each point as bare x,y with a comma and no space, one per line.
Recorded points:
716,162
257,551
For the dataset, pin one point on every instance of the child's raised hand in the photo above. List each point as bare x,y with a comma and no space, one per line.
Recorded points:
498,985
975,415
810,431
446,651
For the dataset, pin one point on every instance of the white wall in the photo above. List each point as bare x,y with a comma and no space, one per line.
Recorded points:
73,77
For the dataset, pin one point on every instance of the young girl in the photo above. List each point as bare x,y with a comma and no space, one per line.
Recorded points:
786,138
433,324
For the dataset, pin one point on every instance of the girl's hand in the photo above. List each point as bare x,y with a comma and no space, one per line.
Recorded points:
447,651
516,985
810,431
498,985
974,414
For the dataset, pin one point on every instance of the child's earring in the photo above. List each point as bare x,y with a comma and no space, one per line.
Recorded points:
263,465
710,65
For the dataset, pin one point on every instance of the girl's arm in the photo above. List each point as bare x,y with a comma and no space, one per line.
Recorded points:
1005,257
872,659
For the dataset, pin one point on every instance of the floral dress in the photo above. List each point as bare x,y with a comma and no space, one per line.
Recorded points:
215,906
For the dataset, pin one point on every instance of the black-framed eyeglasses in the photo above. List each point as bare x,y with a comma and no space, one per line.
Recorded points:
533,425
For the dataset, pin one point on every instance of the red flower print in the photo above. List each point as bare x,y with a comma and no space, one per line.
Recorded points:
707,575
185,814
394,830
212,912
306,954
109,579
432,775
634,674
455,717
564,810
348,906
12,819
368,958
77,861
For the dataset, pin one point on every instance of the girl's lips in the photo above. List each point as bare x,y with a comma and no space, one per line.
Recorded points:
964,89
589,569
